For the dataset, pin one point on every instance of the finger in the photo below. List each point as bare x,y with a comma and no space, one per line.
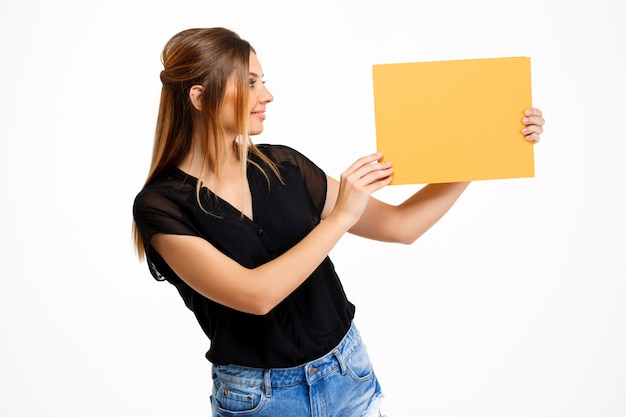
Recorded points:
363,161
372,172
382,172
375,186
533,120
376,180
533,137
532,133
532,129
533,112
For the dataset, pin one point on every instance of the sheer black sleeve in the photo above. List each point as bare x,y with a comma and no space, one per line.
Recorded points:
161,212
313,176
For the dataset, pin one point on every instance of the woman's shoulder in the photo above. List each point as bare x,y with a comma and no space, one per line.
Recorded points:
174,186
280,154
276,150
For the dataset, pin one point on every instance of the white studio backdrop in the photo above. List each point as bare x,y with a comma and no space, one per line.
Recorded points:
512,305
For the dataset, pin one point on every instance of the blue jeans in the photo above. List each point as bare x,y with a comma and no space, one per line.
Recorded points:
340,384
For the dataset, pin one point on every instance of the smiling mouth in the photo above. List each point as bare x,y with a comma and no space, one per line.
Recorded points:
259,114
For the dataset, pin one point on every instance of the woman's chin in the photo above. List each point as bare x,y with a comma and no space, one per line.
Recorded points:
256,131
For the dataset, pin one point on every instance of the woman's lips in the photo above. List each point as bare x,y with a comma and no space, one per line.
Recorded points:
259,114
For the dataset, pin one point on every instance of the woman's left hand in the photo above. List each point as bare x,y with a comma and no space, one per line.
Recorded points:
533,125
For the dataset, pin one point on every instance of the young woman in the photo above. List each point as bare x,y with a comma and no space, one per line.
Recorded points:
243,231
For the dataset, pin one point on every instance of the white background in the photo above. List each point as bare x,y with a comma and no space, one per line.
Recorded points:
512,305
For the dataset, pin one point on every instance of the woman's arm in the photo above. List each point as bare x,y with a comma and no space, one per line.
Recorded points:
406,222
258,290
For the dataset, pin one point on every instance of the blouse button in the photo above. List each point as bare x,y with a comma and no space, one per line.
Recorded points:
261,232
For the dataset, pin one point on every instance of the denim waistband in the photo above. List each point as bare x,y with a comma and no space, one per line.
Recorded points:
307,373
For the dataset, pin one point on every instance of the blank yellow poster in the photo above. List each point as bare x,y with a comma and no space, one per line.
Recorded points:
446,121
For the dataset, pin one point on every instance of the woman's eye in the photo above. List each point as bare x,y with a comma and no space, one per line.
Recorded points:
252,82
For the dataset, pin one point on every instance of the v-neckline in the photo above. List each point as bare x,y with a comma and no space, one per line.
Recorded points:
222,200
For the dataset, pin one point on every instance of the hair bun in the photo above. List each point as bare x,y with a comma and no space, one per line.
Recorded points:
164,79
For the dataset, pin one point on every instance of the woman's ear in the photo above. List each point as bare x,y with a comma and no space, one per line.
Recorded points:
195,95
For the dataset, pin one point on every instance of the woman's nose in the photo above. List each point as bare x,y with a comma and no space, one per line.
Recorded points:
266,97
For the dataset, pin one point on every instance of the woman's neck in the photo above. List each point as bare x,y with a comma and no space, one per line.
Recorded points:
197,165
229,182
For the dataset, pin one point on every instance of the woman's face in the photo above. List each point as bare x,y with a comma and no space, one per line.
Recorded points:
258,97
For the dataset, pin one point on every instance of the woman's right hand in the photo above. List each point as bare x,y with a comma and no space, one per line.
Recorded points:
357,184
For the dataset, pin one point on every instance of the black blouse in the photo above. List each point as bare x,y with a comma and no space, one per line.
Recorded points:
310,321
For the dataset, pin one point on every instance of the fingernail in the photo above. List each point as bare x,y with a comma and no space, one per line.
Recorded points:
525,120
524,131
528,112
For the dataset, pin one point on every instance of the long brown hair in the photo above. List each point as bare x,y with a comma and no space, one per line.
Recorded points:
206,57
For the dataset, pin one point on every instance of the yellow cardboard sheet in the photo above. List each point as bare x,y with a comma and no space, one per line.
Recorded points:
447,121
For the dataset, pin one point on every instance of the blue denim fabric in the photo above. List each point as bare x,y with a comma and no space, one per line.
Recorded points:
339,384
